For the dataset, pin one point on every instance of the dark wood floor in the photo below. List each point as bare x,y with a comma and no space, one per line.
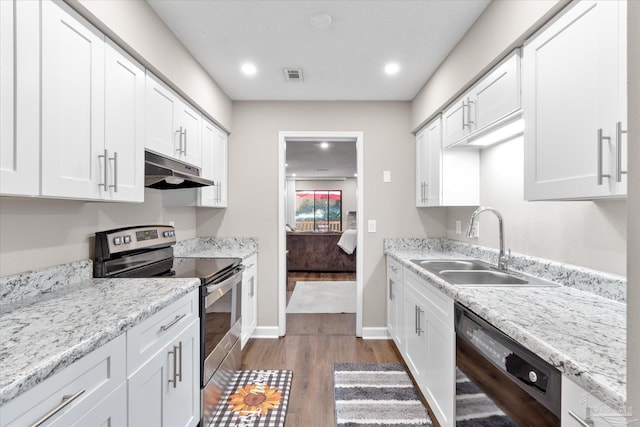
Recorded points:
314,342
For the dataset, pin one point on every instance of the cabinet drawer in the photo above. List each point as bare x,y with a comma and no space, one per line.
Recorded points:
577,403
90,379
250,263
435,301
150,336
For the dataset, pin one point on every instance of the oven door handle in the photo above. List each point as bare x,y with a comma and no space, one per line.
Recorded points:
216,286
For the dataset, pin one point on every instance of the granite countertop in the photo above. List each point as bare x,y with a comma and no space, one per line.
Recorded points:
580,333
52,317
42,335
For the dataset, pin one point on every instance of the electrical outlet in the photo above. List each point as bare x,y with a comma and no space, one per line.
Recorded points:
458,227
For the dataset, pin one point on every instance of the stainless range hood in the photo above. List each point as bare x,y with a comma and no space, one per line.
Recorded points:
164,173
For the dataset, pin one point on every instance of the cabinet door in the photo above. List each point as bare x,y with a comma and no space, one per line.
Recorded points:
249,299
569,98
162,109
498,94
579,407
72,105
124,125
189,122
429,165
422,167
440,373
415,328
220,159
19,98
208,194
146,389
182,395
455,123
395,303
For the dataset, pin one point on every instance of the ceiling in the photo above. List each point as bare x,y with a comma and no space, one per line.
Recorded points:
307,159
343,61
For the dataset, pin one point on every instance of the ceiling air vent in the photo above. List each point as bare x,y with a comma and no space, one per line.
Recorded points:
293,74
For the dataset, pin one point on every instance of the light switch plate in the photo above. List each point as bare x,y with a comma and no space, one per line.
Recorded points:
386,176
371,226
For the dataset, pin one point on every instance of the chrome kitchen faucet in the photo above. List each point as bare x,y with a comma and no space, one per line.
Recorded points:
503,260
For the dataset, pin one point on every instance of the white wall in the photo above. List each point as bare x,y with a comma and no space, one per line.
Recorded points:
633,242
38,233
585,233
503,26
253,186
347,186
137,28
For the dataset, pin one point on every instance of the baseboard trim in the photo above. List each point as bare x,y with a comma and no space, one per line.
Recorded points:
267,332
375,334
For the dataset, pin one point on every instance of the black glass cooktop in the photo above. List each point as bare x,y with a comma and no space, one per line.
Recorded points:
206,269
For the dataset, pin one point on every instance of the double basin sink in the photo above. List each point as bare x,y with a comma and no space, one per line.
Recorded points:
478,273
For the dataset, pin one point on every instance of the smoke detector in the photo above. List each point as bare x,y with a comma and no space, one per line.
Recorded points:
293,74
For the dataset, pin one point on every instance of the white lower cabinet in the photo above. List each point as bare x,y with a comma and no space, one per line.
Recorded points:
580,408
165,391
429,347
395,287
85,387
249,298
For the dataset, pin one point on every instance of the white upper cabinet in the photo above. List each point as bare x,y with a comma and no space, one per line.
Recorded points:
445,177
214,166
575,109
172,126
124,126
496,97
19,74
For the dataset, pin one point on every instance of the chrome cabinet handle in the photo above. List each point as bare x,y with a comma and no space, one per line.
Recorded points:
464,122
390,290
173,322
393,268
66,400
419,329
105,161
179,132
179,349
601,138
185,142
469,121
619,133
175,367
587,422
115,172
415,317
251,289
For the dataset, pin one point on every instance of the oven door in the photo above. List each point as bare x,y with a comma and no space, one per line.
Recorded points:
220,324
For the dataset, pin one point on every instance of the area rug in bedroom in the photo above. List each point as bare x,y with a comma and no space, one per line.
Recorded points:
382,394
323,297
255,399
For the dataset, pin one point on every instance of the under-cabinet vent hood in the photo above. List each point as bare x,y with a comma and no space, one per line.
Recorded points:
164,173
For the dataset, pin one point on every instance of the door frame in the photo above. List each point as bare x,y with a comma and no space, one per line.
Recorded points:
329,136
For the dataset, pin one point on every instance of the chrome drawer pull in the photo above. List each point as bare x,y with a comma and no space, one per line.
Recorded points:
175,367
588,422
66,400
173,322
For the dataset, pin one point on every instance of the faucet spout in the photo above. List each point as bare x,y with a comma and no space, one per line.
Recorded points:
502,258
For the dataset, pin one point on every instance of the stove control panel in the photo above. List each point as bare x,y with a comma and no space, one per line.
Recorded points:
113,242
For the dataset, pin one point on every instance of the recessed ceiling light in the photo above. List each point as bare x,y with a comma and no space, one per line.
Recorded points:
286,165
392,68
293,174
248,69
320,20
324,145
355,174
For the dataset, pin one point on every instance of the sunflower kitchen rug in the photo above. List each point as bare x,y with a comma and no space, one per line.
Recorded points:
255,399
380,394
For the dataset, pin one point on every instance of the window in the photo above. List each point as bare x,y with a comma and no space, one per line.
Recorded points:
319,210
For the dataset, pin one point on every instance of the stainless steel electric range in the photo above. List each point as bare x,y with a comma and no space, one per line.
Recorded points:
147,251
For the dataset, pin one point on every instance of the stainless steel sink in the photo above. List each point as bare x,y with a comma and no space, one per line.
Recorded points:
471,272
481,277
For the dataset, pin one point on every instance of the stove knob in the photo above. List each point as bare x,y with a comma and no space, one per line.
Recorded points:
117,240
127,239
533,377
166,233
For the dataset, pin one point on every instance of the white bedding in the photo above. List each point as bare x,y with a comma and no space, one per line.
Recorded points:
348,241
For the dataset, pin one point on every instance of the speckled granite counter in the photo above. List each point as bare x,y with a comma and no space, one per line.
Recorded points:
581,333
53,317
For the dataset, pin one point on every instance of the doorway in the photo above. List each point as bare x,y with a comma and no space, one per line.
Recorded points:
323,223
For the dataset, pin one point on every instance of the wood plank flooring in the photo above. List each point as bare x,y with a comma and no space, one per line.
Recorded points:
314,342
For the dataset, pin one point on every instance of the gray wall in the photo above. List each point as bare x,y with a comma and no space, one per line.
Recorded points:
253,186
